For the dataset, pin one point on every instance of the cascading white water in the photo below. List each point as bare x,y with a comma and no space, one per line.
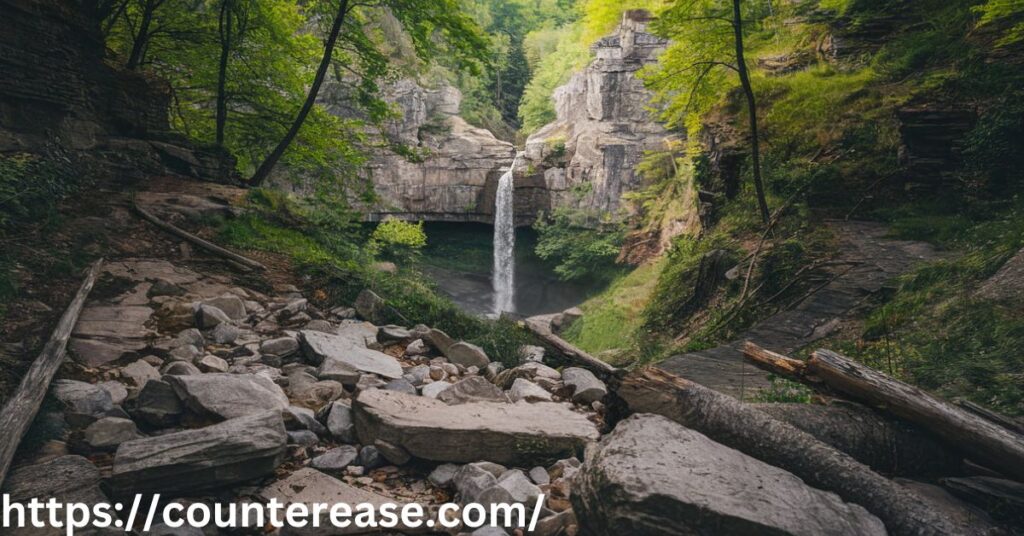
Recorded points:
504,244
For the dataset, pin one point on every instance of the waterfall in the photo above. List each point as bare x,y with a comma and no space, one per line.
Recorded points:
504,243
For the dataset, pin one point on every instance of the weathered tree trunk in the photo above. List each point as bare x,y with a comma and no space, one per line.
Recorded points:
571,352
982,440
263,171
1003,499
244,262
734,424
22,406
887,445
748,91
778,364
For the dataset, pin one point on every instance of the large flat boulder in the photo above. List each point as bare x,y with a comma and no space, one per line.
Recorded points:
343,358
105,333
654,476
233,451
228,395
492,431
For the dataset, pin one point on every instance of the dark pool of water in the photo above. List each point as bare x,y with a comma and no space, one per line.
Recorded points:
458,257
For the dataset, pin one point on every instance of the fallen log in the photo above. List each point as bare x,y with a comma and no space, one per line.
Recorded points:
982,440
778,364
887,445
571,352
734,424
21,407
1002,499
998,418
245,262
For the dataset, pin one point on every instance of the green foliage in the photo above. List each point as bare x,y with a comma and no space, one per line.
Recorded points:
782,391
570,54
994,150
1006,13
397,240
579,252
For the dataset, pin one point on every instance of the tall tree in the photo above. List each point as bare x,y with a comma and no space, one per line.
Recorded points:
706,50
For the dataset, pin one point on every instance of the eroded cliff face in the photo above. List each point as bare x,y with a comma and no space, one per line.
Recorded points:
456,179
586,159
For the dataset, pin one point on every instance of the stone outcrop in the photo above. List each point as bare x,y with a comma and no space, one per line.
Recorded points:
623,487
457,176
585,159
492,431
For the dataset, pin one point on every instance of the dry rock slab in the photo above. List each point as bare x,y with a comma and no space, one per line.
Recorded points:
228,395
491,431
217,456
653,476
343,360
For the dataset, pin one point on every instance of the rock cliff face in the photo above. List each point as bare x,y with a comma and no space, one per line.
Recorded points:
586,158
458,176
56,89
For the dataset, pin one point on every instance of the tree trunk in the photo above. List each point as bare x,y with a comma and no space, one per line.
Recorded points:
889,446
142,38
263,171
224,29
748,90
21,407
734,424
982,440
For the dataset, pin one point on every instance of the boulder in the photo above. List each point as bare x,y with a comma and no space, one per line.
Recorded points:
370,306
83,403
117,391
528,391
498,432
232,306
519,486
529,371
279,347
212,363
342,360
586,388
225,333
299,418
180,368
417,347
392,333
434,390
336,459
443,475
138,373
472,389
623,487
439,340
401,385
340,422
227,396
208,316
234,451
157,404
66,478
467,355
109,432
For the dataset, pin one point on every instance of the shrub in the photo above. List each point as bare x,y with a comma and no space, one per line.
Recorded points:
397,240
579,252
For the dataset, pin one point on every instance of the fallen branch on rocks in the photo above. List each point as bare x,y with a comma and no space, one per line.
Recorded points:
244,262
22,406
887,445
998,418
778,364
985,442
1004,499
570,351
734,424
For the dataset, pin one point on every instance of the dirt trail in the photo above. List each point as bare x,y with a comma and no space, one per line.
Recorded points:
867,261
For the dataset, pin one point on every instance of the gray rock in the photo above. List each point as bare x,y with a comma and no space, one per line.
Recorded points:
467,355
369,381
308,391
539,476
502,433
232,306
279,347
471,480
417,347
492,370
69,479
231,452
434,390
555,524
225,334
109,432
303,438
402,386
163,287
342,361
472,389
586,387
370,306
528,391
532,353
336,460
117,390
299,418
439,340
443,475
180,368
519,486
340,422
394,454
495,469
370,457
138,373
624,487
322,326
209,317
228,395
343,313
416,375
83,403
190,336
157,405
185,352
212,363
532,371
392,333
